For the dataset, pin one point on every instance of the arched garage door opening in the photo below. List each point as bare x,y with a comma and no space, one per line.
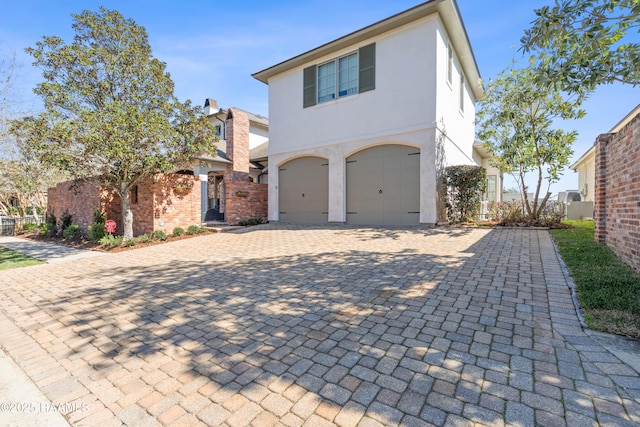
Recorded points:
383,186
303,190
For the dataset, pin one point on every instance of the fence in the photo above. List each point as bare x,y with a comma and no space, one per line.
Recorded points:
10,225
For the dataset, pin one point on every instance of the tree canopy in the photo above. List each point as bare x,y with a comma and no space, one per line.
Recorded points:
580,44
515,120
110,109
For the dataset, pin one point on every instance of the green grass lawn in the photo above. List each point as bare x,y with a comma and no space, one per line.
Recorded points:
608,289
12,259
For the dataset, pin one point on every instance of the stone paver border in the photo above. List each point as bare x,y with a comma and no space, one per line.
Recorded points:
284,325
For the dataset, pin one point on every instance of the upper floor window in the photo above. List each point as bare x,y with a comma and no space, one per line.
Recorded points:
344,76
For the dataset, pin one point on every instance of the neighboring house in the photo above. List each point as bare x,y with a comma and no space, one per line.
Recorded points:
363,126
617,188
585,166
229,180
228,187
494,192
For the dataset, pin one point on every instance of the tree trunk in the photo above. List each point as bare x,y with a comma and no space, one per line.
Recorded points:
127,215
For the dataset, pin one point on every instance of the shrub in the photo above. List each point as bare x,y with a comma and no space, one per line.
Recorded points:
465,185
111,241
97,231
66,220
29,227
160,235
178,231
193,229
72,232
51,226
131,242
146,238
507,213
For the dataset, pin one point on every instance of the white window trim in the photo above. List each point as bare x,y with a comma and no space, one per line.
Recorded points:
336,86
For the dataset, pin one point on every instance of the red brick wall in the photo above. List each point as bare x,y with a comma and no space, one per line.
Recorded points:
80,200
617,192
164,202
176,207
245,200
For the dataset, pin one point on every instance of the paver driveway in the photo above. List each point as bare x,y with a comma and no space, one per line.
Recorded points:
316,326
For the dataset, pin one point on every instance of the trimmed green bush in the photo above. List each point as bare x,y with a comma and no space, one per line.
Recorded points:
465,185
72,232
146,238
178,231
111,241
193,229
29,227
160,235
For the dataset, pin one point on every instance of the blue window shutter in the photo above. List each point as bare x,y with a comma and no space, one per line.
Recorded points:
367,65
309,87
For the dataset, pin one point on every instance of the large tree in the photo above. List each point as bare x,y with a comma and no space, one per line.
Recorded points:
110,109
516,122
580,44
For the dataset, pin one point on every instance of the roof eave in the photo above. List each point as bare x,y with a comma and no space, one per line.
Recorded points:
450,16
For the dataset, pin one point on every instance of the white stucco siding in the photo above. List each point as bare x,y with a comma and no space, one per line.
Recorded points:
257,135
337,154
457,124
404,96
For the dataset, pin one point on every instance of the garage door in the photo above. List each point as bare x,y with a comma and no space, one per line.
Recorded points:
383,186
304,191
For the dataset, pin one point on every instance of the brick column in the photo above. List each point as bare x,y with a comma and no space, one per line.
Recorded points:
600,190
237,133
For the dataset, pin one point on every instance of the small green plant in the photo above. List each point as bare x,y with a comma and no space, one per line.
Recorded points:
29,227
178,231
66,220
97,230
193,229
111,241
146,238
43,229
160,235
131,242
72,232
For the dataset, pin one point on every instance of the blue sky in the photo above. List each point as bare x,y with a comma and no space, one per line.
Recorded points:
211,48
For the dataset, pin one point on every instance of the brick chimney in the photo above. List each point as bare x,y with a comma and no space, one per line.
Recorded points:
237,127
210,107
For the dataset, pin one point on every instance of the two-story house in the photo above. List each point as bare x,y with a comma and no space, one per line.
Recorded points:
361,127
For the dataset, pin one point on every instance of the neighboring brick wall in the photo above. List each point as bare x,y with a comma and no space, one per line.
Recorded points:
81,200
164,202
237,128
617,195
245,200
176,208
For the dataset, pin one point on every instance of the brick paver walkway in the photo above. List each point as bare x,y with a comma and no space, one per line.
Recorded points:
317,326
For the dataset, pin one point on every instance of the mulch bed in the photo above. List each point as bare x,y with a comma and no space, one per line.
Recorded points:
89,245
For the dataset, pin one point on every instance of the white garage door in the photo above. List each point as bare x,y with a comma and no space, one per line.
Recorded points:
383,186
304,191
